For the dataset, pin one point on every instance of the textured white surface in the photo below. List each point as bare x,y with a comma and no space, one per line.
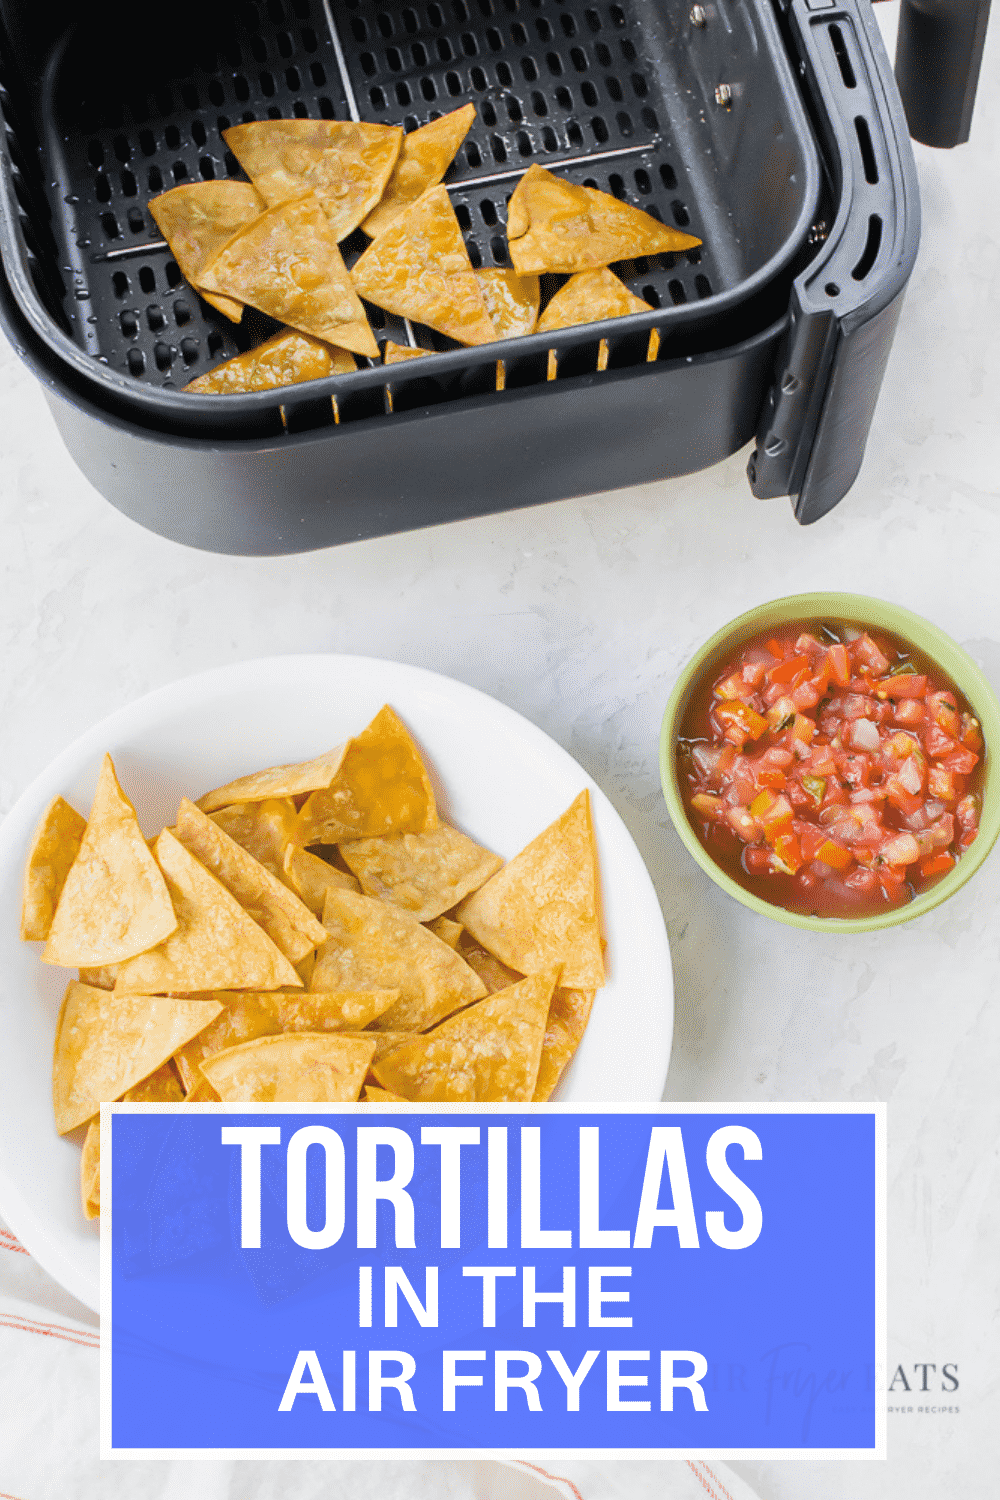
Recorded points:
579,615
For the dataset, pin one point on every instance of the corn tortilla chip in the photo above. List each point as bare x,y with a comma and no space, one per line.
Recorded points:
196,219
263,829
286,263
245,1017
114,902
511,301
555,225
296,1067
448,931
106,1044
90,1171
102,978
347,164
382,1096
495,975
386,1041
590,297
374,945
396,354
54,847
380,787
276,783
312,877
569,1012
542,908
424,874
424,158
202,1093
288,922
217,946
419,268
289,358
161,1087
490,1051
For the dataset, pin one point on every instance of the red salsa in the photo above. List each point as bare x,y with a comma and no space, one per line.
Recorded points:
831,771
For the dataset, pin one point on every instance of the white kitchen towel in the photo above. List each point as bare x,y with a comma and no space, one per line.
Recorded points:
49,1435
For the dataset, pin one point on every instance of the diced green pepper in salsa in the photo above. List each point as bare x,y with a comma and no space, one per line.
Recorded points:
830,772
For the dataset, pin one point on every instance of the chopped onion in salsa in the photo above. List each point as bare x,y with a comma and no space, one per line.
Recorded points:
831,772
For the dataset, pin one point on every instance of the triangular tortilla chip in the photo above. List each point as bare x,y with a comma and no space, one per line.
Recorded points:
217,946
425,157
382,1096
590,297
489,1052
495,975
286,263
448,931
289,358
115,901
54,847
554,225
424,874
312,877
202,1093
380,787
373,945
397,354
511,301
90,1171
569,1012
419,268
542,908
299,1068
102,978
196,219
161,1087
275,782
263,828
386,1041
246,1016
347,164
287,921
108,1043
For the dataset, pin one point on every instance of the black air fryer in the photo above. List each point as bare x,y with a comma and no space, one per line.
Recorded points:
771,129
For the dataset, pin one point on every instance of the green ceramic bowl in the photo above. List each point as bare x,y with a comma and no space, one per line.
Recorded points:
853,609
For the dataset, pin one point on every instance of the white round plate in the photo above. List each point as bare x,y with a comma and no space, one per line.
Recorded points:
497,777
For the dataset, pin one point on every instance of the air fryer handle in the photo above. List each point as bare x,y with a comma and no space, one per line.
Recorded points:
939,50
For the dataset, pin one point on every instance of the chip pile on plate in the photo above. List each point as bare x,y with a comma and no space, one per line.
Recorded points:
309,933
273,243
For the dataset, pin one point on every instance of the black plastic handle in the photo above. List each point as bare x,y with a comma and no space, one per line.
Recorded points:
939,51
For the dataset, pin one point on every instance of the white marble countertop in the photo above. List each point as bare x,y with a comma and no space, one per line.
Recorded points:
580,615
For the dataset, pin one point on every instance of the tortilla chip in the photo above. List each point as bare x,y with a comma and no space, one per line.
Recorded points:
287,921
276,782
202,1093
419,268
305,966
590,297
347,164
286,264
396,354
425,157
489,1052
298,1068
289,358
245,1017
424,874
106,1044
102,978
263,829
448,931
380,787
217,946
386,1041
196,219
569,1012
542,908
115,901
511,301
90,1171
382,1096
54,847
312,877
161,1087
554,225
495,975
373,945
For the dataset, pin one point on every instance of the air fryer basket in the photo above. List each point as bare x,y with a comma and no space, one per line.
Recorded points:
693,113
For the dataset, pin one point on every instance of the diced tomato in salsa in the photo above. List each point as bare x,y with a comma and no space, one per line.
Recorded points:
830,772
